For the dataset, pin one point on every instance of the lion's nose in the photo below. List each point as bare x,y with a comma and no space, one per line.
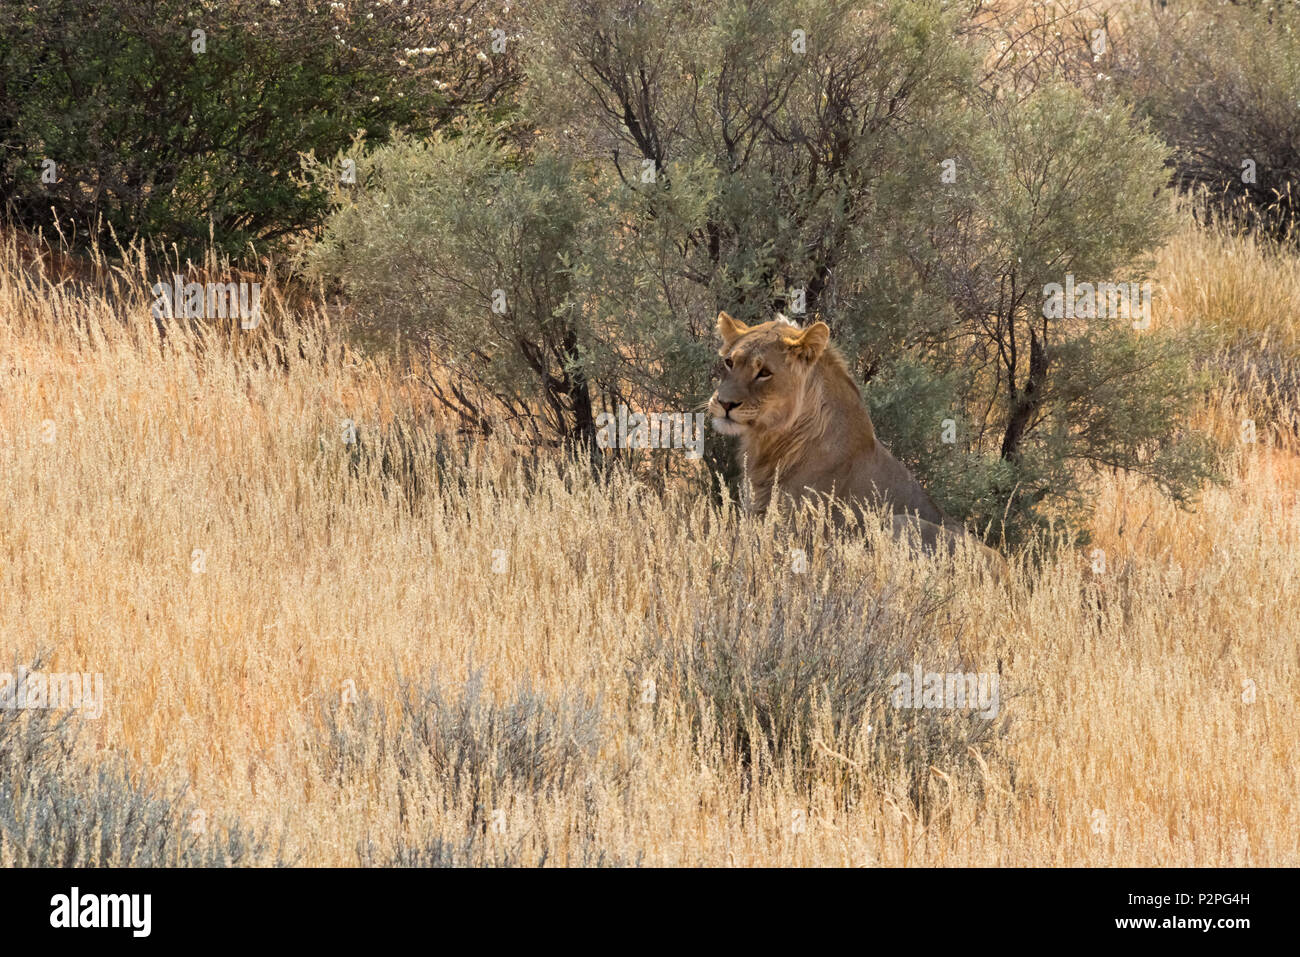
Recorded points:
728,406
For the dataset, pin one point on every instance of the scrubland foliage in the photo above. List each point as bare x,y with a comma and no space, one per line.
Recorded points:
835,161
1221,83
183,123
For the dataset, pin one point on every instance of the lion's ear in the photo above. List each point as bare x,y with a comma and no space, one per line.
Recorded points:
730,329
810,343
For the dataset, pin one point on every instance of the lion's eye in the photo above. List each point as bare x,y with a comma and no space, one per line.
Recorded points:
727,362
762,374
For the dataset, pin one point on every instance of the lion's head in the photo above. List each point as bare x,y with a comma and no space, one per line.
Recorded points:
766,371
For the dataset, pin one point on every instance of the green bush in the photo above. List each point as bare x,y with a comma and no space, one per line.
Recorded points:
195,140
454,246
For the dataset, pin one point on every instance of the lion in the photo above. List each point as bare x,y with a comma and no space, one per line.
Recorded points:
787,394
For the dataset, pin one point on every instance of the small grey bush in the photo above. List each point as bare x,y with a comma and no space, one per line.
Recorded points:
463,742
56,811
761,672
472,850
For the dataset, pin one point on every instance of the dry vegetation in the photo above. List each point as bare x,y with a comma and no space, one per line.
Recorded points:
321,571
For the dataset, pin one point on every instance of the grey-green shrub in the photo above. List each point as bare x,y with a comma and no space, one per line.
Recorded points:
688,159
769,673
1221,83
473,850
460,744
58,810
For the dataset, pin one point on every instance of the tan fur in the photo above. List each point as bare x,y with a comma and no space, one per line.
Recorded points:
804,425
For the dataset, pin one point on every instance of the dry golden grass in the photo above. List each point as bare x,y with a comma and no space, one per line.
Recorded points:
1230,282
1125,693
